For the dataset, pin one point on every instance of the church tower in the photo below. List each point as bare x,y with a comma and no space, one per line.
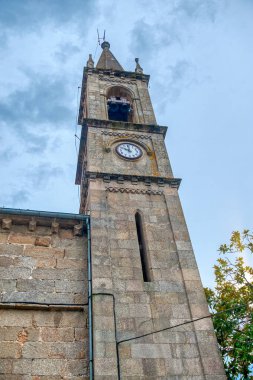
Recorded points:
144,274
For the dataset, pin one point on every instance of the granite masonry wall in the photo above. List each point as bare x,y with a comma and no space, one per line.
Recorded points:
42,262
173,296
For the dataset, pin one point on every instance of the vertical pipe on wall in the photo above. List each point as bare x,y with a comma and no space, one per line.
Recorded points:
90,302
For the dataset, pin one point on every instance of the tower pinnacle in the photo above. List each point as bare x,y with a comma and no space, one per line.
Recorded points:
107,61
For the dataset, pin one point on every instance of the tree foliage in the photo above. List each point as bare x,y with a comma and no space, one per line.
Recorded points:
234,290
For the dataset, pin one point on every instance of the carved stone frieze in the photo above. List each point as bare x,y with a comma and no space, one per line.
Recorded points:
32,223
116,81
132,135
108,177
134,191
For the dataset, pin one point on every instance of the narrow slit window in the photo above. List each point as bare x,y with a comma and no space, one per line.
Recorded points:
142,248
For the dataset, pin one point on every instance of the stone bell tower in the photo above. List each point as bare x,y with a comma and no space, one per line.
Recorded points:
144,274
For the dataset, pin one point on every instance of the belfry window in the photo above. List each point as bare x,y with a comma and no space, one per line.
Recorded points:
142,248
119,104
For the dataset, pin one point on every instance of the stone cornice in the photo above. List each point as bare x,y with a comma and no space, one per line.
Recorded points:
160,181
117,73
122,125
33,219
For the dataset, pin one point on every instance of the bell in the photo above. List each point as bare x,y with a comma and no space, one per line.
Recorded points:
113,107
124,107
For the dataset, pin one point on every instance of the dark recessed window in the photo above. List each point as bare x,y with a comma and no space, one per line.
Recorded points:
142,248
119,104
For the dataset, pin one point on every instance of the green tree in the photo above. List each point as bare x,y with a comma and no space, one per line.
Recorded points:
234,290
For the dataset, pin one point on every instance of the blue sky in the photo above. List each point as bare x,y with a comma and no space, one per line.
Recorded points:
200,58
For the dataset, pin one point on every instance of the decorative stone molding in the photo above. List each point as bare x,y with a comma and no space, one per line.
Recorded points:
6,224
108,177
132,135
116,81
78,229
10,218
32,225
55,227
133,191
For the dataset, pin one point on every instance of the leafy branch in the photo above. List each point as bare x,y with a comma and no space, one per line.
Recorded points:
234,286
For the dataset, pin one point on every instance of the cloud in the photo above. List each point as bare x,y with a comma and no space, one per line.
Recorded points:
197,9
20,196
7,154
148,38
179,76
66,51
31,112
16,198
34,112
42,101
41,174
30,14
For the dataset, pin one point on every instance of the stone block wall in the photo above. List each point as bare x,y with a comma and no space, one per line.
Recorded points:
173,296
43,345
41,265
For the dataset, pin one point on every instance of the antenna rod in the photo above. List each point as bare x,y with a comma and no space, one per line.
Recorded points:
100,38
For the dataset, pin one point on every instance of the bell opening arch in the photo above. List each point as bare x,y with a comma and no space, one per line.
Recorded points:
119,102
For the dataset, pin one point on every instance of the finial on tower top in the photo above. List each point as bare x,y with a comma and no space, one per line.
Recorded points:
105,44
107,61
90,62
138,68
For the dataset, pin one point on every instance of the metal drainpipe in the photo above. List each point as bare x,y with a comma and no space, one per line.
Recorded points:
90,302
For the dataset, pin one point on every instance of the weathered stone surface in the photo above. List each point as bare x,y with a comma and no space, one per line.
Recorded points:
3,236
107,366
57,350
43,241
11,249
57,334
71,263
14,273
43,252
58,274
17,333
21,238
6,261
66,234
6,223
40,286
10,350
67,286
42,345
6,366
142,350
22,366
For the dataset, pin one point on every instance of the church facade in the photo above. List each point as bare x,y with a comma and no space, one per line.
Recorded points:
108,293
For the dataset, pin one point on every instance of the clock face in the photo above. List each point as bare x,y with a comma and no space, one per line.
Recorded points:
128,150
